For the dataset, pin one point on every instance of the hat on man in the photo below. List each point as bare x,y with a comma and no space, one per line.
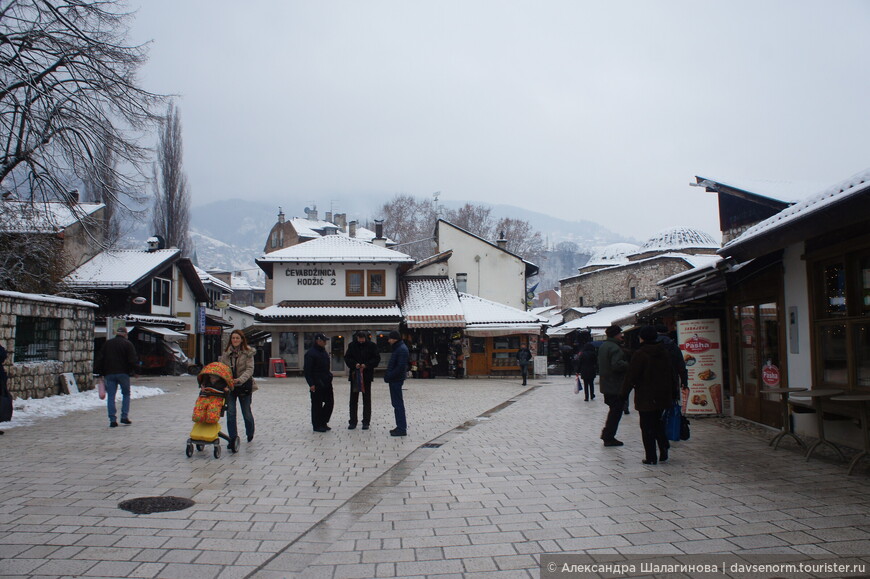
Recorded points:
321,336
648,334
394,335
613,331
121,331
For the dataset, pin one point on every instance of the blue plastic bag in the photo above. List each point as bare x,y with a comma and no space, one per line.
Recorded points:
673,422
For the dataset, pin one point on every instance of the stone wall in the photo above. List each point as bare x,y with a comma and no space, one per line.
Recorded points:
76,348
613,285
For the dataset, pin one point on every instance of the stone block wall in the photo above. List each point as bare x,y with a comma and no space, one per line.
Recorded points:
612,285
76,348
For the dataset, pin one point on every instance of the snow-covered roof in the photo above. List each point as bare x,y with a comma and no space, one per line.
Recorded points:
606,316
315,228
431,302
478,310
678,238
613,254
709,265
119,268
42,217
784,191
153,319
206,277
47,298
309,310
854,185
336,248
543,311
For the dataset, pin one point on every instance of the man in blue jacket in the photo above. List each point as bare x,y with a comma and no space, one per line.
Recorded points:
397,369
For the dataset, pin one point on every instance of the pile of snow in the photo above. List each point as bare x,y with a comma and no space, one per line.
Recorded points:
27,412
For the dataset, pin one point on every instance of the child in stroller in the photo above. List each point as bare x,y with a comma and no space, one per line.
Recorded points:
215,382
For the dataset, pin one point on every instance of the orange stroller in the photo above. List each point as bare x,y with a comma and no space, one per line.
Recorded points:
215,382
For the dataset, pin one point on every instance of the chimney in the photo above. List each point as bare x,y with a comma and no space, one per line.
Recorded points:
155,242
501,241
329,216
379,239
73,197
280,215
341,221
462,282
351,229
312,214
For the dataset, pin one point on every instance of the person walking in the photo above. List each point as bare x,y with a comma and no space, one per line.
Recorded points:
361,358
656,386
319,378
612,365
5,398
587,369
567,360
240,358
116,362
397,369
524,356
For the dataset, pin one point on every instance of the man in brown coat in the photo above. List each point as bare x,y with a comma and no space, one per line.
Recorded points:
656,387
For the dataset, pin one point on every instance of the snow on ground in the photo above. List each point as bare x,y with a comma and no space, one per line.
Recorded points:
27,412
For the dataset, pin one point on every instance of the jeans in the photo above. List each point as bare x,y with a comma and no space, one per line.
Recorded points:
367,404
322,402
652,430
112,383
398,404
247,415
615,405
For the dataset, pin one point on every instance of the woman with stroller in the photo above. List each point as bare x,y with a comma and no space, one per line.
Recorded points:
240,358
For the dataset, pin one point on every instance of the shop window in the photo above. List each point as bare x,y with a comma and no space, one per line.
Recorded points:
478,345
377,282
834,289
36,339
289,348
160,292
862,353
354,282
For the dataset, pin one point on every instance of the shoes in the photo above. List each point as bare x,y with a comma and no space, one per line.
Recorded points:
250,437
397,432
626,412
321,429
645,461
524,384
586,400
126,421
663,457
327,427
365,426
351,426
613,442
113,424
593,397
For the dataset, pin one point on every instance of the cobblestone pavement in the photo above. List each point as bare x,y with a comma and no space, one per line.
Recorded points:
491,475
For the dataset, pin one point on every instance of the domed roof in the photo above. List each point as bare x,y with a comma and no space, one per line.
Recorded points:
612,254
679,238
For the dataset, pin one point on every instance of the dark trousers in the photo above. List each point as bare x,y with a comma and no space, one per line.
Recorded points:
588,386
524,368
247,415
322,402
354,404
398,404
652,430
615,404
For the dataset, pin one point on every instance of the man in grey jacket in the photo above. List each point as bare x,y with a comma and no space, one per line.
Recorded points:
612,366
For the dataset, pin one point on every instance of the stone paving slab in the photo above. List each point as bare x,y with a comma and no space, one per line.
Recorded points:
514,472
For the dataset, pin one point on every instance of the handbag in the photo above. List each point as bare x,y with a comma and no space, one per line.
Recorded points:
101,388
684,428
577,386
673,423
207,409
245,388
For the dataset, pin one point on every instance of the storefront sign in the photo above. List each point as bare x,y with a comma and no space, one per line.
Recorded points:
701,344
770,374
311,276
213,330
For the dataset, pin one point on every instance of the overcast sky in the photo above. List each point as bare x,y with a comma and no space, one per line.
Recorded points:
601,110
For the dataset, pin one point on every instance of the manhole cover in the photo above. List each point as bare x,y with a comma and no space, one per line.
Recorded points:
148,505
431,445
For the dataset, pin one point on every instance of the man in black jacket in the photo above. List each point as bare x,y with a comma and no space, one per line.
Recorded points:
116,362
361,358
319,378
397,368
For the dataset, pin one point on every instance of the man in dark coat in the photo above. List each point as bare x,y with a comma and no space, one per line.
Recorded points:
116,362
655,386
612,365
5,398
397,369
361,358
319,378
524,356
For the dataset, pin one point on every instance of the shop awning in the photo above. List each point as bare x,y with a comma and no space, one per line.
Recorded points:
500,330
435,321
165,333
430,302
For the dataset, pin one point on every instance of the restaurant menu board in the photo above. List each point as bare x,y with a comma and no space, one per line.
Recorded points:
700,342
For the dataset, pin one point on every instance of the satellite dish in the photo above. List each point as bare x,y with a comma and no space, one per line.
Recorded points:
307,210
139,300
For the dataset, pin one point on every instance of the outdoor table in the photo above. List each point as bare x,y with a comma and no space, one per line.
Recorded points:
863,400
786,423
817,397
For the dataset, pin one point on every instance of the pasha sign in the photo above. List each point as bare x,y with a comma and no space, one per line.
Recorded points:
701,344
